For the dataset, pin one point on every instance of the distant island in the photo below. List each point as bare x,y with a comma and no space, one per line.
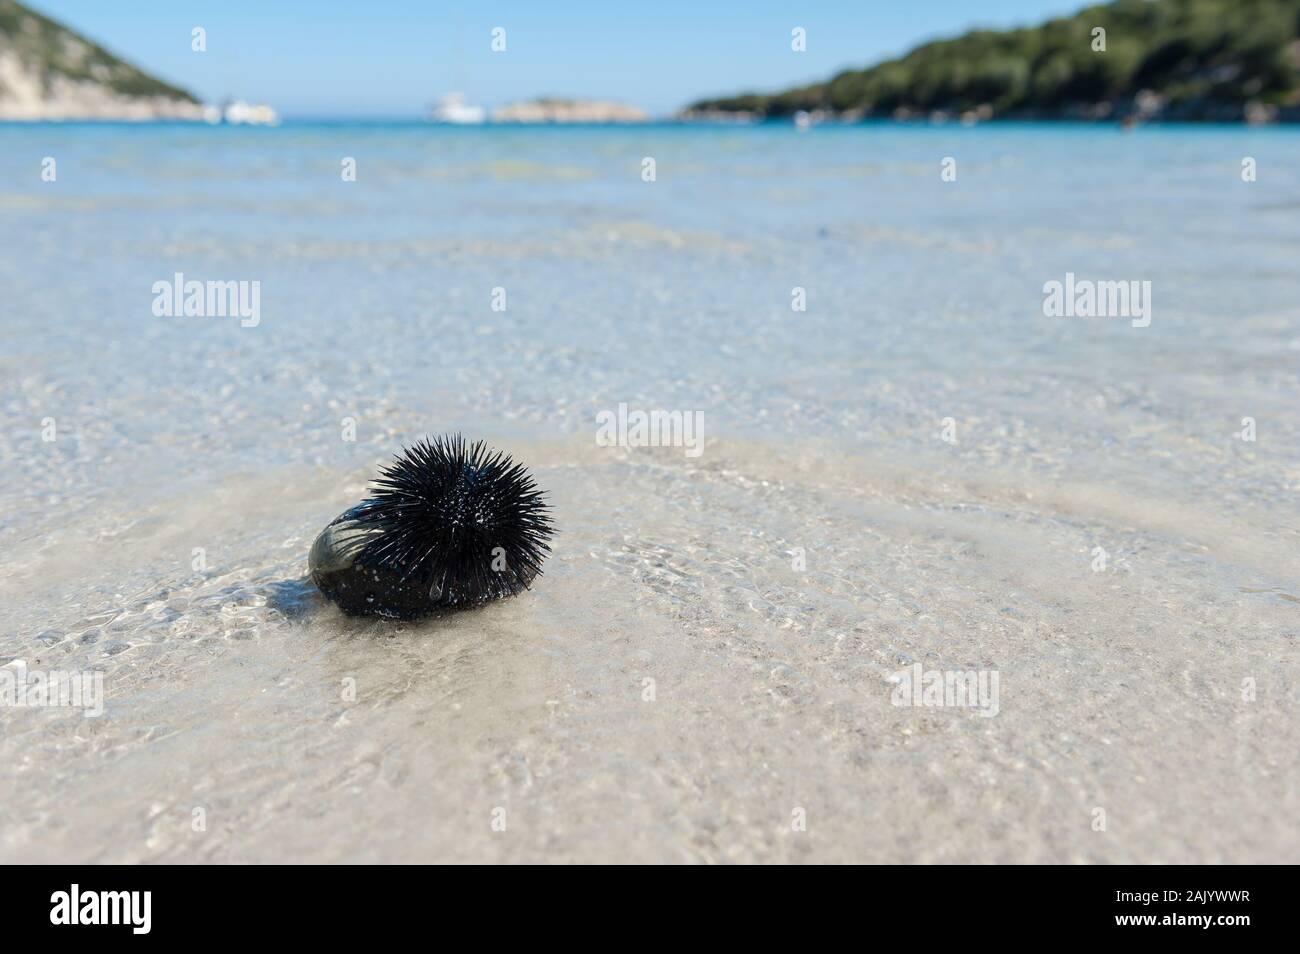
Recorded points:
1203,60
452,108
549,109
49,72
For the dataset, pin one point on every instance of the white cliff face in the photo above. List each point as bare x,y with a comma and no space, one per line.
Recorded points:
26,94
48,72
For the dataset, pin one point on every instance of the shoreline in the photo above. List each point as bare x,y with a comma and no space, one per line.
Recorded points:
668,122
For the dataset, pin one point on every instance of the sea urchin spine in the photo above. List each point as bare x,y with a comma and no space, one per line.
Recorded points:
448,525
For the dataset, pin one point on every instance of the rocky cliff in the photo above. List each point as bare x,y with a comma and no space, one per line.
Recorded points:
49,72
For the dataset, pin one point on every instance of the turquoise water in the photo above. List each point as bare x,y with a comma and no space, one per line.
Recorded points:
382,286
824,431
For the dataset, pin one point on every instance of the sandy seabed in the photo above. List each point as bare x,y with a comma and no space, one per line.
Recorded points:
707,670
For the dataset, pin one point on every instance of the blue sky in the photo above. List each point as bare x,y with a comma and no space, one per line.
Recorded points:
394,57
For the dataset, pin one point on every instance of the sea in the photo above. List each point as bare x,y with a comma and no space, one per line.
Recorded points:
1013,406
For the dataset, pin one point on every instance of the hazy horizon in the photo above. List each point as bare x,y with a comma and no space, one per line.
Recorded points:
392,62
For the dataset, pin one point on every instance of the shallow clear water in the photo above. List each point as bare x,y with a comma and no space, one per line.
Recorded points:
229,682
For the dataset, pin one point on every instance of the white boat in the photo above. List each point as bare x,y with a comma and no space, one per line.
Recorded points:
239,113
453,109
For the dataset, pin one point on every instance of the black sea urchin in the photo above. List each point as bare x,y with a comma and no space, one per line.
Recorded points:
448,525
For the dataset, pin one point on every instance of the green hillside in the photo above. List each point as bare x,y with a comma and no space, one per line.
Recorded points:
1196,59
52,50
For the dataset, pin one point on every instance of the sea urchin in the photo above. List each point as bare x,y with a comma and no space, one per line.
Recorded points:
448,525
